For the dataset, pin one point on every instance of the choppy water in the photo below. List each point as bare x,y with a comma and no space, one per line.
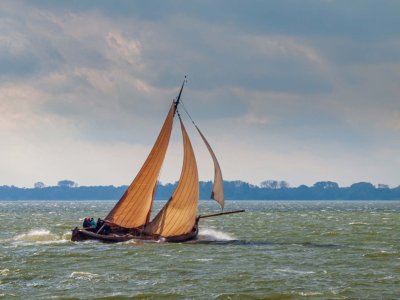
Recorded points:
276,250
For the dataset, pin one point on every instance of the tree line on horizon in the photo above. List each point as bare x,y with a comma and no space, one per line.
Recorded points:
234,190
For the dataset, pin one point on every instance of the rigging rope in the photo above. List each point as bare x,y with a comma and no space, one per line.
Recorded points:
184,108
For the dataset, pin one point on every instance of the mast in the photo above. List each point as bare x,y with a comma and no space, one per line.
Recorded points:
180,93
134,208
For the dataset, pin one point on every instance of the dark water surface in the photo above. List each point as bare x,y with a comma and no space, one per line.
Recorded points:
275,250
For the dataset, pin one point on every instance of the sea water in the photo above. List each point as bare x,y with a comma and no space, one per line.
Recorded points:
275,250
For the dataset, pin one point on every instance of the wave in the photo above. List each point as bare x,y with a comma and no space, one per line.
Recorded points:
205,235
83,275
291,271
208,234
42,236
382,253
310,294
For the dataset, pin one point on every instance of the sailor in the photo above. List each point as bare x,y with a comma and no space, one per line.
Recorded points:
92,223
99,224
86,222
102,227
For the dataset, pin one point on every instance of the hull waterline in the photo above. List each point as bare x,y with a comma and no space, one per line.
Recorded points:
80,235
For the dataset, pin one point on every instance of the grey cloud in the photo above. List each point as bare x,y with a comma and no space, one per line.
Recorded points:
224,58
216,61
22,57
356,19
347,51
360,19
147,10
32,61
319,76
17,66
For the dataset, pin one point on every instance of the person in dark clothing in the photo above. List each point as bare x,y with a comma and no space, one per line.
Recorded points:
102,227
86,223
99,224
89,224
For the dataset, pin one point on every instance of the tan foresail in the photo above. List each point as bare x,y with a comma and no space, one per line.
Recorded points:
133,208
218,187
178,216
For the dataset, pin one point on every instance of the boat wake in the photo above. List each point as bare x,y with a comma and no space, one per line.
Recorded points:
211,235
42,236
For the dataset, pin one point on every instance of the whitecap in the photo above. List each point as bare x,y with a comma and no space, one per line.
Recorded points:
288,270
83,275
358,223
67,235
208,234
4,272
53,242
36,235
41,236
310,294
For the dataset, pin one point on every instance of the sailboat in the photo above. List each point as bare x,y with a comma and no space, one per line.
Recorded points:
177,221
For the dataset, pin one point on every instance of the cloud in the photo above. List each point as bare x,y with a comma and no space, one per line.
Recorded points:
300,90
360,19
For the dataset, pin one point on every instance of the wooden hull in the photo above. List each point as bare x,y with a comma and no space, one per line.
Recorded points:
79,235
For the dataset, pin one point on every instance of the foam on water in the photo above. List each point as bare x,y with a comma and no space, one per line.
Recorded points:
41,236
358,223
208,234
83,275
36,235
310,294
289,270
4,272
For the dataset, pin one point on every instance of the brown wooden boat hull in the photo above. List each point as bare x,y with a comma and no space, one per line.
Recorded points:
79,235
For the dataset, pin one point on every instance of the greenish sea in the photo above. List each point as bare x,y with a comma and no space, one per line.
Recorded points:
275,250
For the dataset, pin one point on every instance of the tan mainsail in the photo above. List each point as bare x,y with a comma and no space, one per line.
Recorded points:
218,187
178,216
133,209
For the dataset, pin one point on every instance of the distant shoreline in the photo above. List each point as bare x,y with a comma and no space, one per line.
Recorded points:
234,190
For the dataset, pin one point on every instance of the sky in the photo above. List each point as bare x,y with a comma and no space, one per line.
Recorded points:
301,91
